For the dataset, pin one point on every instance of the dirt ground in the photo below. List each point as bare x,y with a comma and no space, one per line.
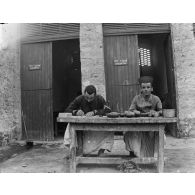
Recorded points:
50,157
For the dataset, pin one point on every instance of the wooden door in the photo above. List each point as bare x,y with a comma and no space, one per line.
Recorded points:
36,85
122,70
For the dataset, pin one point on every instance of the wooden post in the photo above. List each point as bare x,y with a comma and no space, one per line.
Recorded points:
156,144
161,149
79,143
72,149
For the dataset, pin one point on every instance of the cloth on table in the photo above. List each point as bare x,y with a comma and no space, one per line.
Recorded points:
92,141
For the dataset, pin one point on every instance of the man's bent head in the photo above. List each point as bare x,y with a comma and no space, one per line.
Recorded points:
90,93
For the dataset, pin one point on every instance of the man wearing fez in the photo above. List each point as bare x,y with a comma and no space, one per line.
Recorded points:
141,144
90,104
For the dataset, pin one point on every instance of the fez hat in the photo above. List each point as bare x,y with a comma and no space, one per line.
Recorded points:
145,79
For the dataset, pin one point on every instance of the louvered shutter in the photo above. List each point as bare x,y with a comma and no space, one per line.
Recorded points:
134,28
38,32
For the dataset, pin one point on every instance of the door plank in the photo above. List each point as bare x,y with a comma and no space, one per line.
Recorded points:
121,80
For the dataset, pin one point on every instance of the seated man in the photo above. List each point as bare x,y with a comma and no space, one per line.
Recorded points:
141,144
91,104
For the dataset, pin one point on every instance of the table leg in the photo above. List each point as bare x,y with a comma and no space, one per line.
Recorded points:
161,149
72,150
80,143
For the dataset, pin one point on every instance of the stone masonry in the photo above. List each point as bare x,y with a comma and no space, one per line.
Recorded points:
10,102
183,41
92,56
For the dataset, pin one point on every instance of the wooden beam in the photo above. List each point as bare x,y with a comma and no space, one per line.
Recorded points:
115,127
124,120
161,149
111,160
72,150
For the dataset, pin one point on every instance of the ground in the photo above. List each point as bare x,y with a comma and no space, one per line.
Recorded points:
50,157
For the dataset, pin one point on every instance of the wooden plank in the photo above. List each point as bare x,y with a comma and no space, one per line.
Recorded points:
102,120
134,28
72,150
116,127
161,149
79,141
121,80
110,160
37,109
39,32
36,54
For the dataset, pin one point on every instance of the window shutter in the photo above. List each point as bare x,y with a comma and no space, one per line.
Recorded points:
39,32
135,28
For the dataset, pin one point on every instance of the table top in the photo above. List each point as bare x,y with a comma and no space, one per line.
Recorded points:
119,120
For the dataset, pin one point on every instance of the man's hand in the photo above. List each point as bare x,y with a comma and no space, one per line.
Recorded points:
137,112
90,113
80,113
153,113
156,114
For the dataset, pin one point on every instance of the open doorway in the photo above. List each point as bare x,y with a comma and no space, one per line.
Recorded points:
66,78
155,59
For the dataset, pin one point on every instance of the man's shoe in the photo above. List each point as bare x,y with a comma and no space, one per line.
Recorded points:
101,152
132,154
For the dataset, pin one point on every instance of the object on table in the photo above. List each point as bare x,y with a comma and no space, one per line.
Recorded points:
169,113
129,114
144,114
113,115
64,114
122,114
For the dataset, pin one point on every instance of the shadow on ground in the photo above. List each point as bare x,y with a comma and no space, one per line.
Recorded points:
51,158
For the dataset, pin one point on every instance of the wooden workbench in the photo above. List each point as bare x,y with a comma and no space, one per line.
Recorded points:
116,124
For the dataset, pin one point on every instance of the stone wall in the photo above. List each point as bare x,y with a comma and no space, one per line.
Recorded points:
184,59
10,101
92,56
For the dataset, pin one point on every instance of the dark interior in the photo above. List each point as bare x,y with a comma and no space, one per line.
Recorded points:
161,68
66,77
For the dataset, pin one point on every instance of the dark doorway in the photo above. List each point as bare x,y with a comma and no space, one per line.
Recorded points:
155,59
66,77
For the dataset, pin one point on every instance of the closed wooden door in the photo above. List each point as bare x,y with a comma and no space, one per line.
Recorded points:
122,70
36,84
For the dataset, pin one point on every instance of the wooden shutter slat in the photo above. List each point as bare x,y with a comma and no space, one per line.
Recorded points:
37,32
134,28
